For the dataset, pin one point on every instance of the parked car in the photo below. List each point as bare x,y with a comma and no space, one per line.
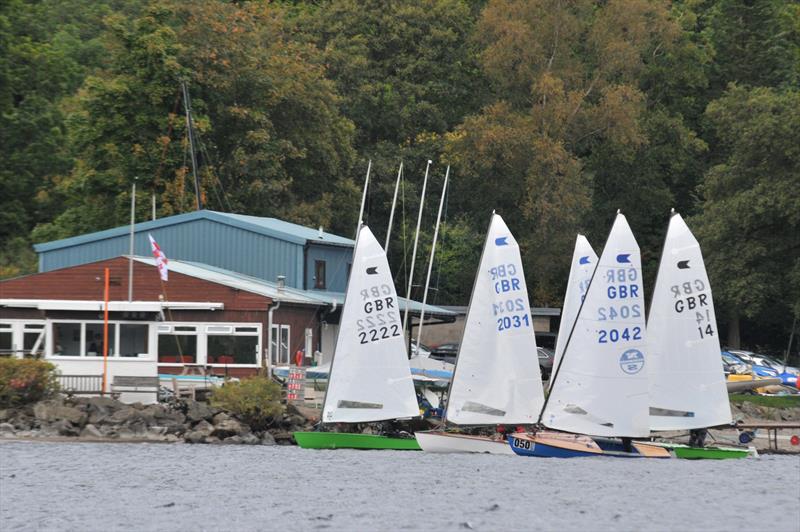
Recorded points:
734,366
424,350
741,357
445,352
546,359
787,374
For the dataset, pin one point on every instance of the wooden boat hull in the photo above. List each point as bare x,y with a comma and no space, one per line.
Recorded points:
704,453
444,442
345,440
563,445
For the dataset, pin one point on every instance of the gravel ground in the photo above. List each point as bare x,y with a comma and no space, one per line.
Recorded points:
103,486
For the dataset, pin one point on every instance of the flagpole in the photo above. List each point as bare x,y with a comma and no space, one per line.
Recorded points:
105,332
130,246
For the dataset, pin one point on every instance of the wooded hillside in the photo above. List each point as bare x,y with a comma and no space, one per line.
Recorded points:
554,113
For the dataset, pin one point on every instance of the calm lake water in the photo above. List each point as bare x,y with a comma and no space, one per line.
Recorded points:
91,486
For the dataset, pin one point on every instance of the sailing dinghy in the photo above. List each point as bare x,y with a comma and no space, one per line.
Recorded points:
496,379
370,378
687,381
584,261
600,386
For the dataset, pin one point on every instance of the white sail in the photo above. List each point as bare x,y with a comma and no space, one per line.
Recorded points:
687,382
601,387
497,377
584,261
370,379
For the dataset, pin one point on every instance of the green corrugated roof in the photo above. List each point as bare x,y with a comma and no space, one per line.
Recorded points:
272,227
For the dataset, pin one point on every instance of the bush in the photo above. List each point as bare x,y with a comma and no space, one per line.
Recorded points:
254,400
25,381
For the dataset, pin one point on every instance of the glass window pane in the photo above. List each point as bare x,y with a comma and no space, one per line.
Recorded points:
284,344
94,339
171,347
5,341
132,339
232,349
33,343
67,339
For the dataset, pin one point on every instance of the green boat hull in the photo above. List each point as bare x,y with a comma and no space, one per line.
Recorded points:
705,453
342,440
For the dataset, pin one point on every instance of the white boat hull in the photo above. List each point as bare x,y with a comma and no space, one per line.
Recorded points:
443,442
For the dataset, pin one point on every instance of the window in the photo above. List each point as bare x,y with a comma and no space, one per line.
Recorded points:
232,349
280,344
67,339
177,349
132,339
319,274
94,339
6,337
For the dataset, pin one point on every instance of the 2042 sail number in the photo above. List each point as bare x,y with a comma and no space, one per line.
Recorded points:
616,335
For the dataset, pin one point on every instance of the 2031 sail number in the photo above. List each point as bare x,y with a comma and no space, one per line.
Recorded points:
513,322
381,333
617,335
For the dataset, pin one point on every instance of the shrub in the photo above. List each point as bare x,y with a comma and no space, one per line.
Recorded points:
254,400
26,381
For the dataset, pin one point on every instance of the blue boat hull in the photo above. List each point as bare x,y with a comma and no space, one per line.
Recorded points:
580,447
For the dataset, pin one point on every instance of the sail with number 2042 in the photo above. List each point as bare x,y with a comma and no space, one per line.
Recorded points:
600,388
370,378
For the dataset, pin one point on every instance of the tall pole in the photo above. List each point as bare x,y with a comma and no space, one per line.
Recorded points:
430,264
363,199
414,253
187,105
105,332
394,204
130,244
154,206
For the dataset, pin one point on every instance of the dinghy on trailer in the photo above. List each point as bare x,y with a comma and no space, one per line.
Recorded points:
496,380
687,382
370,379
600,386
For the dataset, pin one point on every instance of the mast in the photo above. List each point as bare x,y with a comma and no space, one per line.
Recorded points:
394,204
187,104
130,243
430,263
414,253
363,202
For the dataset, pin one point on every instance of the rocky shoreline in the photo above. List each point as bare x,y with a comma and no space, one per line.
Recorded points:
103,419
106,419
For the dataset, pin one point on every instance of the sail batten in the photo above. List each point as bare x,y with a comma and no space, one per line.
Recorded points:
370,379
685,366
497,378
601,385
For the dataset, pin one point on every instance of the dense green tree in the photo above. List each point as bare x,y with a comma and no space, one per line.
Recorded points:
750,224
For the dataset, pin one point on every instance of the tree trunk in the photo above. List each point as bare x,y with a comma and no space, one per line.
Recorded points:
734,338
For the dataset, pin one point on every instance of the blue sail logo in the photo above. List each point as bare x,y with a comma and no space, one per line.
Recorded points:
624,258
501,241
584,260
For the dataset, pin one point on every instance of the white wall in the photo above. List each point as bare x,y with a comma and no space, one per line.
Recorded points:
133,367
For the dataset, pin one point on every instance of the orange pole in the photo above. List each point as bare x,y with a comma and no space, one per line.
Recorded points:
105,334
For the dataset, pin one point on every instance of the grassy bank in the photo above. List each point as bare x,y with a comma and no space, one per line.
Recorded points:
784,401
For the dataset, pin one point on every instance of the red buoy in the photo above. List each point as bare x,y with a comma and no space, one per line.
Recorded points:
795,440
